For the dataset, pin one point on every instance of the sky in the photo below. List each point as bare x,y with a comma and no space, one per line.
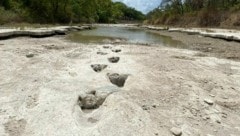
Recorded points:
142,5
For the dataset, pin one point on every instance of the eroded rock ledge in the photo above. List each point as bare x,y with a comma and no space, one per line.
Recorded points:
40,32
225,34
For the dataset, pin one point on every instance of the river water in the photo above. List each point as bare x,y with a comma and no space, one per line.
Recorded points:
122,34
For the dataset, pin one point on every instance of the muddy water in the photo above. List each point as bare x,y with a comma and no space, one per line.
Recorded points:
121,34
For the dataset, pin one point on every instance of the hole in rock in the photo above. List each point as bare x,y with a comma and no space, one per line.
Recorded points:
98,67
117,79
114,59
102,53
91,101
116,50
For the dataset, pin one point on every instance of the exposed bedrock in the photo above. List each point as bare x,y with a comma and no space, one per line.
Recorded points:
229,35
40,32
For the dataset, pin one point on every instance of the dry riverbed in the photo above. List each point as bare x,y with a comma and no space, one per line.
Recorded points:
52,87
208,46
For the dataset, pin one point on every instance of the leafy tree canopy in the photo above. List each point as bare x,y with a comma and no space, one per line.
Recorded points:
65,11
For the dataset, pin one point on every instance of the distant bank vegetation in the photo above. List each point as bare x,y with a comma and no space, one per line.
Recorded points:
66,11
214,13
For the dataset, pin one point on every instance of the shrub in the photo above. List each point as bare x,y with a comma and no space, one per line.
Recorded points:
7,16
172,20
209,17
237,20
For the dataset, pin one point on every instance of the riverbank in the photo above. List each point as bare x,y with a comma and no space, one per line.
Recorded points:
6,32
225,34
209,41
51,86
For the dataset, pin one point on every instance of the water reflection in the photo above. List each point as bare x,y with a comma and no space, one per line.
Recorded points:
121,34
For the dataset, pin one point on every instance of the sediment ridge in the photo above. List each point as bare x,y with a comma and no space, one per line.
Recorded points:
40,32
225,34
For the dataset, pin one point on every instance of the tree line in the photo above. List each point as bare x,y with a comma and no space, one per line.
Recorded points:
66,11
200,12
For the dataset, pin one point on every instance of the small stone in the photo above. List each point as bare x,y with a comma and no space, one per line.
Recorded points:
176,131
233,88
208,101
30,55
206,117
218,121
212,95
154,106
144,107
209,49
224,115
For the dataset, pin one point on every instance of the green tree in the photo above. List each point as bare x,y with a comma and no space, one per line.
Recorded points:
5,4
